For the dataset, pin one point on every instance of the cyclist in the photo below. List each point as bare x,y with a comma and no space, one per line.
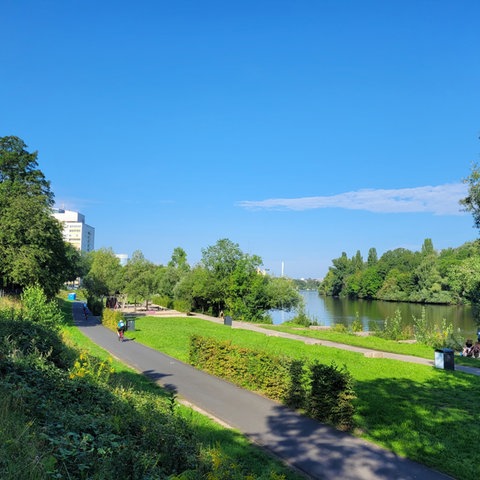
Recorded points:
121,327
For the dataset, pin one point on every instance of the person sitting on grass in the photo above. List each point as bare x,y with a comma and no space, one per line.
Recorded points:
468,348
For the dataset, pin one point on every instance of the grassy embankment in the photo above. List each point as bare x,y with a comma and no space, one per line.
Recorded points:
419,412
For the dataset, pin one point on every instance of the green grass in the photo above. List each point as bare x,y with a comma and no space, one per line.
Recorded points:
371,341
19,444
420,412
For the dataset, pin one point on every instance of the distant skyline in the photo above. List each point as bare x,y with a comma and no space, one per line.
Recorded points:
299,130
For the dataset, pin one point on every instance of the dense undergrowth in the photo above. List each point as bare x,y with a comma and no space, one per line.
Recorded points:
67,414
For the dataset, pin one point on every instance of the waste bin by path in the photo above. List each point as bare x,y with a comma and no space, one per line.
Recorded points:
444,359
131,324
227,321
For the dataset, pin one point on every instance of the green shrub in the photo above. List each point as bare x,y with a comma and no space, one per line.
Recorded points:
339,328
296,394
182,306
301,318
330,396
110,318
163,301
392,328
326,392
426,332
38,309
251,369
95,305
357,325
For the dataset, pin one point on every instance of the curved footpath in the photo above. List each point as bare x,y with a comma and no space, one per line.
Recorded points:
316,450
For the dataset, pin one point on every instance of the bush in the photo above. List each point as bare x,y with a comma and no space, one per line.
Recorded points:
326,392
339,328
182,306
110,318
330,396
301,318
40,310
392,329
162,301
250,369
357,325
427,333
95,305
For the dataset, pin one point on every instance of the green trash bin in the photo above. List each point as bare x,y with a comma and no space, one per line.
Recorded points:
444,359
131,324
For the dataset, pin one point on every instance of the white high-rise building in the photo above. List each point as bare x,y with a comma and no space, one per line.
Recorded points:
75,230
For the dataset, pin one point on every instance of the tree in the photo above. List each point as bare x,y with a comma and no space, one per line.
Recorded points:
220,261
231,281
357,262
427,247
32,249
282,294
104,276
179,260
19,172
370,282
465,279
139,278
335,279
471,202
372,258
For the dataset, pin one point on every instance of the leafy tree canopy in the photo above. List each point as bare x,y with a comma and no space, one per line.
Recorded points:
19,171
471,202
32,249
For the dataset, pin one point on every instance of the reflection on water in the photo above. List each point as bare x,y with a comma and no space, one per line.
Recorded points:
331,311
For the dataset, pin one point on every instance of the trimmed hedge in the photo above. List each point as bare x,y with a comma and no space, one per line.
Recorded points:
110,318
323,392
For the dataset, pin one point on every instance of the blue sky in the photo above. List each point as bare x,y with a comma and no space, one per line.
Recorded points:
298,130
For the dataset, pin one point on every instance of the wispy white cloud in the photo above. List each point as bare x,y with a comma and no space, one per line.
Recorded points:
439,200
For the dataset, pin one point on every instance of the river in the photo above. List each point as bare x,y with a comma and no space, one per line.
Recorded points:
330,311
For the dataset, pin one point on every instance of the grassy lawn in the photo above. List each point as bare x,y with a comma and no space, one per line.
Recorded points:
420,412
370,341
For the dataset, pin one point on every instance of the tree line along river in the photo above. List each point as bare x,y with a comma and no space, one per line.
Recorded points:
330,311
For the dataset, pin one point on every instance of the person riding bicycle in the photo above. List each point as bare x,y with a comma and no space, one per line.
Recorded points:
121,327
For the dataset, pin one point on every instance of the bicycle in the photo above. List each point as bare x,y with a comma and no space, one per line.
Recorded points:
120,333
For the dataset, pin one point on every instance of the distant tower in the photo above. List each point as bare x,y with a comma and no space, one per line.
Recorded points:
283,267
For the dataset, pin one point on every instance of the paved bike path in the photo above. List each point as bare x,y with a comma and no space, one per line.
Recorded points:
313,448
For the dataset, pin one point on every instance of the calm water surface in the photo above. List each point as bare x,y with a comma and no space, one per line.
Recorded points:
330,311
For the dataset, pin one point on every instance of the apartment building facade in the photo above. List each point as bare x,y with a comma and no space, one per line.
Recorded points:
75,230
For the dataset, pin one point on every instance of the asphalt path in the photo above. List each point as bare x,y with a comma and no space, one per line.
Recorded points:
316,450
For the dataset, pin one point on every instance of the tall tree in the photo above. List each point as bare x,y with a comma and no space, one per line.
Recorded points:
32,250
471,202
372,257
104,276
19,172
179,260
139,278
